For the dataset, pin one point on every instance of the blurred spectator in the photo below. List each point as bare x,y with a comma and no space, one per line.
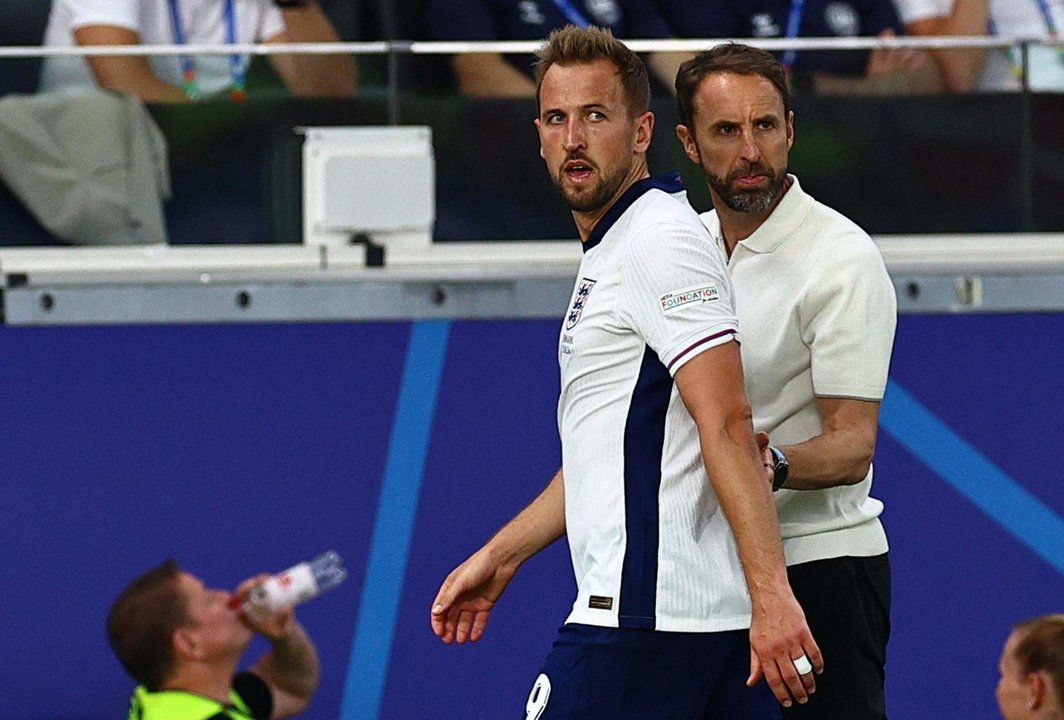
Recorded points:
109,191
994,69
1032,670
165,22
834,70
498,75
183,642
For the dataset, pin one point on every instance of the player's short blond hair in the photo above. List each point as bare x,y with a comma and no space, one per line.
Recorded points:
572,45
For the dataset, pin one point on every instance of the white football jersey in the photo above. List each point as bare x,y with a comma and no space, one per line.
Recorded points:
650,545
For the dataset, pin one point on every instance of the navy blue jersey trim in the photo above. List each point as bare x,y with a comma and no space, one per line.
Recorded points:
670,183
701,342
644,445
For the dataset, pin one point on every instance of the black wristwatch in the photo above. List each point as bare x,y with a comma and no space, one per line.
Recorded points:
780,467
289,3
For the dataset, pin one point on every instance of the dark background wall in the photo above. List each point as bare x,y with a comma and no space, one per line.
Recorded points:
238,449
909,165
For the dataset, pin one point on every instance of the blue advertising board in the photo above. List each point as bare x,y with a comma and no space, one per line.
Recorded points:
239,449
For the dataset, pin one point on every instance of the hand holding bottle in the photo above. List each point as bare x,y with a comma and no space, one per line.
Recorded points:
271,624
295,585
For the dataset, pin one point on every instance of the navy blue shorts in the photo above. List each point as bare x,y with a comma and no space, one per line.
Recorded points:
597,673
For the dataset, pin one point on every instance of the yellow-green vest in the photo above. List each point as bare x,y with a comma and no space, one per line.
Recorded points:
181,705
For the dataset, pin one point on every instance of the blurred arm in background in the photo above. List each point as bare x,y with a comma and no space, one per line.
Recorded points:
959,70
313,75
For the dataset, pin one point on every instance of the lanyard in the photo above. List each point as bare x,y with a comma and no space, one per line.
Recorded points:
794,24
237,63
1047,16
1051,27
571,13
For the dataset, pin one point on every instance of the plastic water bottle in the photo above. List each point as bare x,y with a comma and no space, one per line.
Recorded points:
298,583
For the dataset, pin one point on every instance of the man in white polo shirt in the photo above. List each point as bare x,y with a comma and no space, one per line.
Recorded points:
817,313
651,402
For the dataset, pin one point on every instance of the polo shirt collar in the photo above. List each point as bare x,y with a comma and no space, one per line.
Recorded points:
669,182
782,221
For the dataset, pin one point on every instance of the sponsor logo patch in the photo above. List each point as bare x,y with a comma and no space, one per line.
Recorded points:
606,12
676,300
764,26
842,19
583,291
530,13
600,602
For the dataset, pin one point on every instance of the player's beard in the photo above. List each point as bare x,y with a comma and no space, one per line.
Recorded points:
754,201
589,199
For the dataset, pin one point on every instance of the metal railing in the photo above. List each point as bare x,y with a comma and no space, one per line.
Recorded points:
394,49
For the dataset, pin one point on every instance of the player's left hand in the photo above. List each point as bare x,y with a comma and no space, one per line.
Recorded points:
463,605
779,640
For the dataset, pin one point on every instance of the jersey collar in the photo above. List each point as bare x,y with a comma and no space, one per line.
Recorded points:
782,221
669,182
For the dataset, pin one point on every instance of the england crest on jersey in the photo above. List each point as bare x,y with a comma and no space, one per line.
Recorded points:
583,290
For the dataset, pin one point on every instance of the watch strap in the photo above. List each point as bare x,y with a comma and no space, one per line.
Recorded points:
780,467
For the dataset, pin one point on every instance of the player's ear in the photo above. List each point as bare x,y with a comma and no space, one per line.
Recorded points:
687,139
644,131
1036,687
186,642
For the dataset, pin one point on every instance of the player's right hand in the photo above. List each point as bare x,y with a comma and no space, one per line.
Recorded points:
464,602
779,635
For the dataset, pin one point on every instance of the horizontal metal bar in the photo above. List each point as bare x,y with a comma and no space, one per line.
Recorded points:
284,302
419,47
232,301
1001,253
512,279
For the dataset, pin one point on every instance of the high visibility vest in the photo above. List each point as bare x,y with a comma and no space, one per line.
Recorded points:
181,705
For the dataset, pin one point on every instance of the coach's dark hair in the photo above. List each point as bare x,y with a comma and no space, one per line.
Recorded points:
1041,649
727,58
573,45
142,622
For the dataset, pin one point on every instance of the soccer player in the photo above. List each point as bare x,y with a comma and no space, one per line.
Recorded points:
663,493
818,312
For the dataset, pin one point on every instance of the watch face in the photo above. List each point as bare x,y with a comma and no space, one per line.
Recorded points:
779,469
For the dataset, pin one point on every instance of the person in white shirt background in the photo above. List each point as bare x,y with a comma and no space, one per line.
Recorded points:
180,22
990,69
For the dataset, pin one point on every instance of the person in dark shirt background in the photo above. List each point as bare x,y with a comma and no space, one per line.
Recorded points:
777,19
499,75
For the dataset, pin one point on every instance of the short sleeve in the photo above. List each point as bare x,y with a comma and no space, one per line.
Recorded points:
120,13
913,10
272,21
254,693
676,293
848,316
